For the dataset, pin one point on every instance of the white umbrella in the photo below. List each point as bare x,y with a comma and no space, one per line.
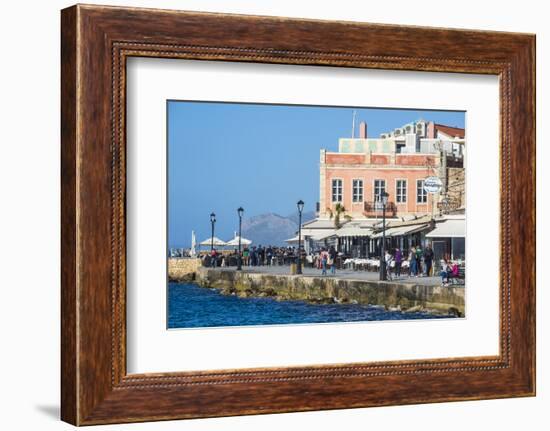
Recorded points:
217,242
235,241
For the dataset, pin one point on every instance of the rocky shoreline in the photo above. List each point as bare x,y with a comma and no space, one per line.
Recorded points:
392,296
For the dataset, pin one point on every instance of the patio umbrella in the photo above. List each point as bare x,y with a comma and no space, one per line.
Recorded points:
235,241
217,242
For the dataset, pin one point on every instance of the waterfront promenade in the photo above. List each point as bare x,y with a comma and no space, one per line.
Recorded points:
344,274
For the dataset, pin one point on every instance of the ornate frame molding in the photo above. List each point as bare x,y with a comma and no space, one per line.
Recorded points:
96,41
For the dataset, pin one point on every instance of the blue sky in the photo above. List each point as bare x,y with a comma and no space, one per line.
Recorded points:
261,157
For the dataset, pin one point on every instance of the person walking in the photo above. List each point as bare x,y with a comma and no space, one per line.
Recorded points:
332,260
413,266
269,256
254,256
419,260
388,258
246,254
398,258
260,258
324,260
318,260
428,260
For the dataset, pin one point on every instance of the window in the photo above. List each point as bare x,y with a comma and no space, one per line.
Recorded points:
336,190
421,194
357,191
401,191
379,188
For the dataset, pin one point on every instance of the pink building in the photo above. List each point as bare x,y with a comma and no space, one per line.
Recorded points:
396,163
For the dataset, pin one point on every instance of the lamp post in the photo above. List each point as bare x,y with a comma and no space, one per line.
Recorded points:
384,200
212,222
240,212
300,205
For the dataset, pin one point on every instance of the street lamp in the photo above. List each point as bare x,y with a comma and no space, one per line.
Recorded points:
212,222
384,200
240,212
300,205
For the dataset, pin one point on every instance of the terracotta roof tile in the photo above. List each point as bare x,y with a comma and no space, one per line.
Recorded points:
451,131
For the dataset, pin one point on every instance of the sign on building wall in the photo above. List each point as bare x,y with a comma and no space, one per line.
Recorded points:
432,184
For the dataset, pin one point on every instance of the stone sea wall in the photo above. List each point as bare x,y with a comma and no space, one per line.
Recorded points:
393,296
183,269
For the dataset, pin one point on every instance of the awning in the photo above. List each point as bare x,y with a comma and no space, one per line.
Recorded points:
353,231
316,232
449,229
407,230
401,230
390,231
321,224
322,235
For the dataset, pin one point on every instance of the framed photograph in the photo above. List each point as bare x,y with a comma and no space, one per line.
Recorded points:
265,215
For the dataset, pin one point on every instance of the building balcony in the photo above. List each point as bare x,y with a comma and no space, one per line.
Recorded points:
374,209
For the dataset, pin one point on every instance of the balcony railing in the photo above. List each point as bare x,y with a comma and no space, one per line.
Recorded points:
374,209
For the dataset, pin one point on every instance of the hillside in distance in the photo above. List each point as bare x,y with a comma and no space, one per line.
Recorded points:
272,229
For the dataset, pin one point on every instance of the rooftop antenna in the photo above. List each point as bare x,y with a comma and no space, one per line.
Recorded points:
353,124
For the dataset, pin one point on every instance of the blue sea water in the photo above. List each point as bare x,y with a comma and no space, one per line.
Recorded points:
191,306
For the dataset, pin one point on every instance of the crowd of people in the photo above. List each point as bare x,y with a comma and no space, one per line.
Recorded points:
418,262
449,271
324,259
252,256
268,255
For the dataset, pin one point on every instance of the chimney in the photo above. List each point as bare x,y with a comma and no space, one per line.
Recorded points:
430,132
362,130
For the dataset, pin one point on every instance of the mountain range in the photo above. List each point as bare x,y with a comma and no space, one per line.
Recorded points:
273,229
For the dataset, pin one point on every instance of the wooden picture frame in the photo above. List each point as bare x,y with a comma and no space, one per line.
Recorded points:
95,42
